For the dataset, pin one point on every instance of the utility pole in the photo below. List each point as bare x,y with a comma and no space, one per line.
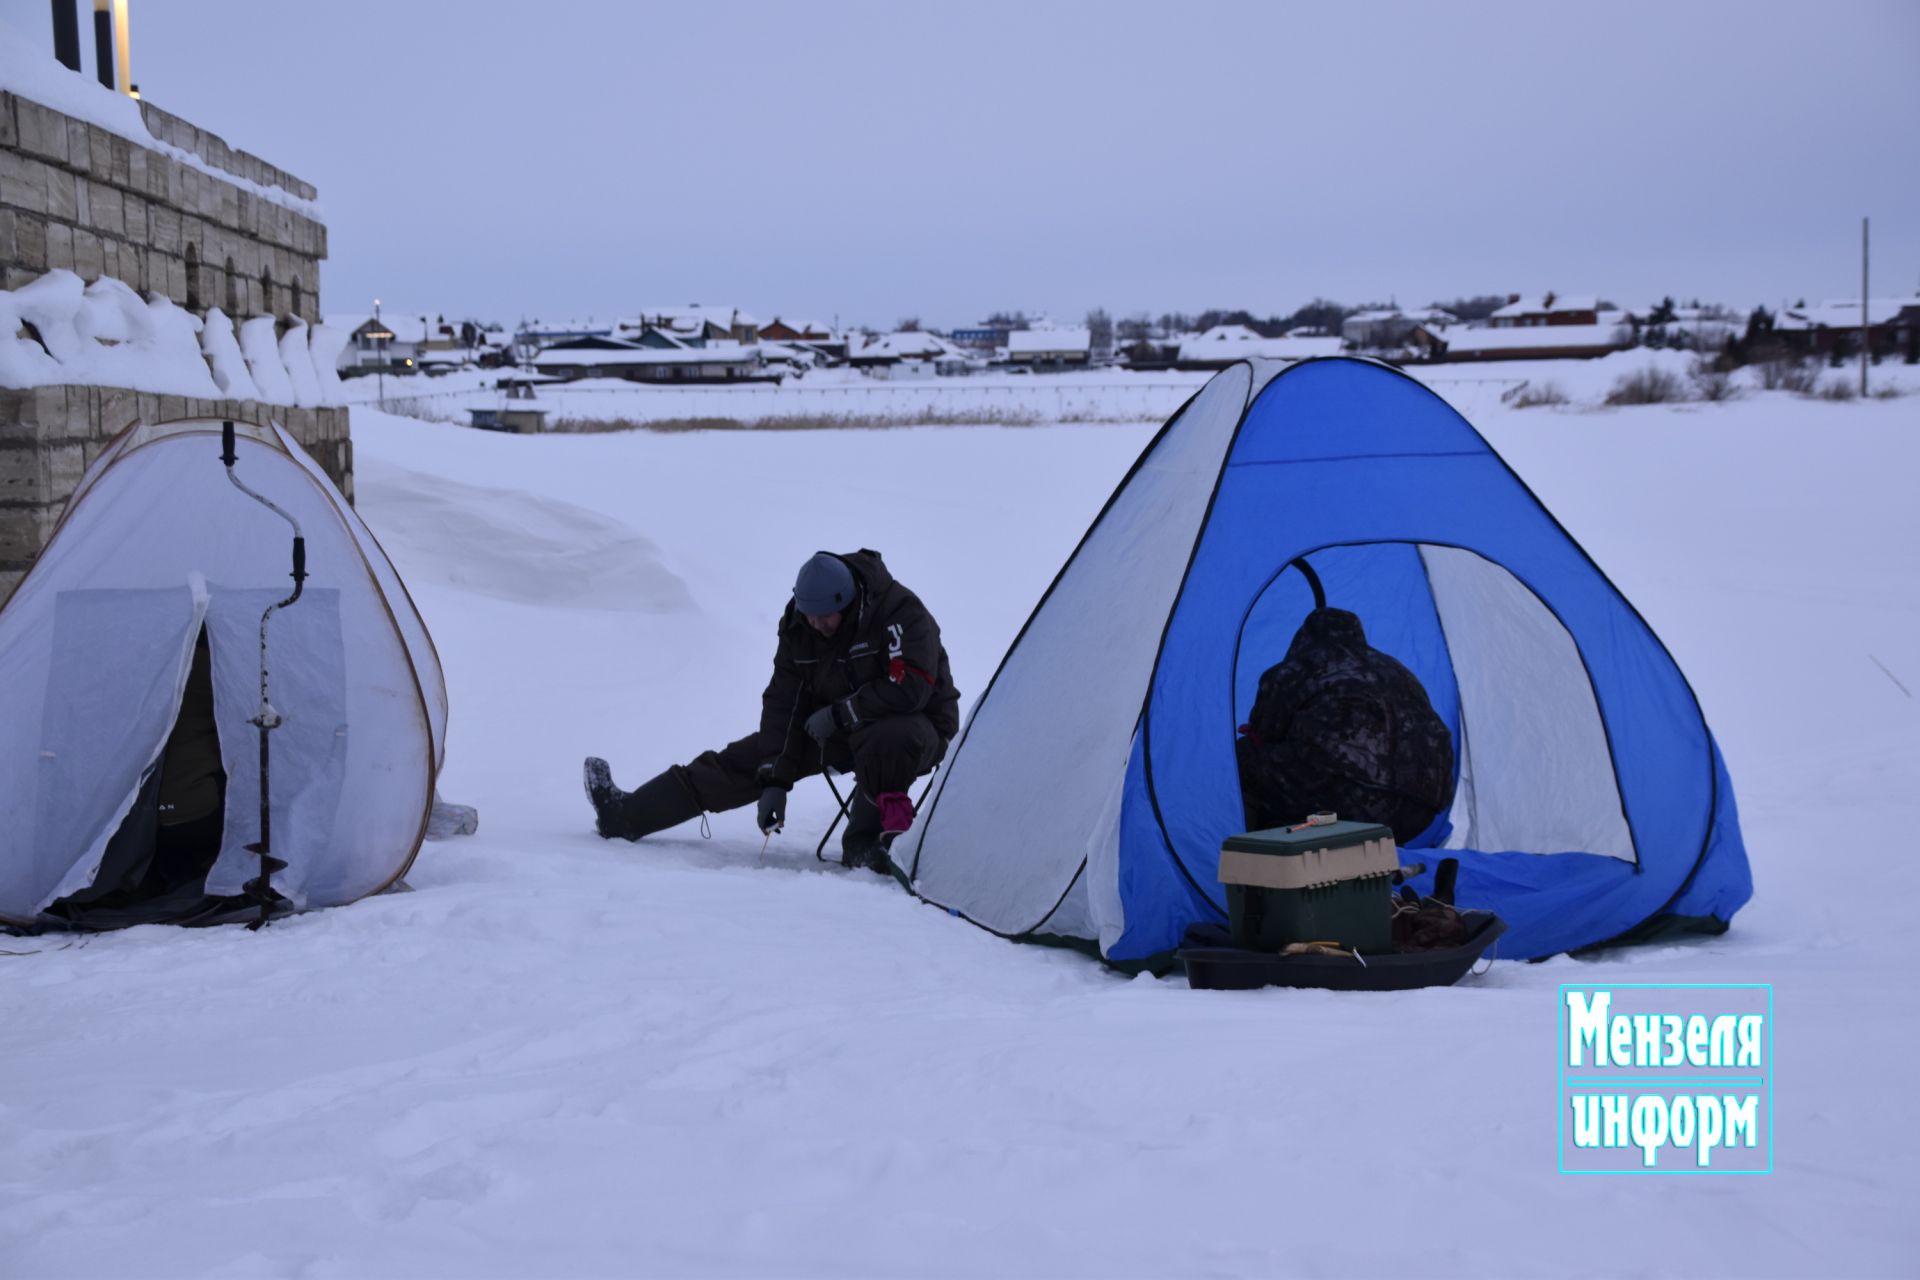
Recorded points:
380,368
1866,327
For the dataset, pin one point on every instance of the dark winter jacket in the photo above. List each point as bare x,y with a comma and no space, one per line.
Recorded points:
1340,726
885,660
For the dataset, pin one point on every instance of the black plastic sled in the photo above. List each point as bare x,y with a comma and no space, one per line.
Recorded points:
1213,964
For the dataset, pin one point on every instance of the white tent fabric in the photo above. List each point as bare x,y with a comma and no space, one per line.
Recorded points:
97,639
1535,772
1012,855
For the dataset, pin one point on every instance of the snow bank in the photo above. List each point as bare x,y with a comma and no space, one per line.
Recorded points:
103,334
100,334
299,365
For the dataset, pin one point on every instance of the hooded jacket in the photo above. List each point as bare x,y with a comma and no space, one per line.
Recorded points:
885,659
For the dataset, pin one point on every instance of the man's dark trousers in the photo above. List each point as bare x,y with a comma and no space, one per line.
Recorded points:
884,755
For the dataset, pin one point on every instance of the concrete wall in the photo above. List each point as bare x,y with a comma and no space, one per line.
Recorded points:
49,436
73,195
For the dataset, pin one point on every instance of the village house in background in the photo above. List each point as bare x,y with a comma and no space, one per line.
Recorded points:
1831,329
1223,344
1050,346
1550,327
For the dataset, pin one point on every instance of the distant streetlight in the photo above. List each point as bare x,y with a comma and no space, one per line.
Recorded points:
380,336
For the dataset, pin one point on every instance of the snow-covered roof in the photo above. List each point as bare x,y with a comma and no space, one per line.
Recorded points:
690,318
905,346
712,353
570,328
1226,333
1072,339
403,326
802,326
1206,347
1842,313
796,352
1540,306
1463,338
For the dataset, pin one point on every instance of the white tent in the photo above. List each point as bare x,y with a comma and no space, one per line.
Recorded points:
156,545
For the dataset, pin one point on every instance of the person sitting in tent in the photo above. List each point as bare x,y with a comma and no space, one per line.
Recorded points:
860,684
1337,726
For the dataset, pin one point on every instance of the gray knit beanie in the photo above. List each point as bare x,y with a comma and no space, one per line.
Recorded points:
825,586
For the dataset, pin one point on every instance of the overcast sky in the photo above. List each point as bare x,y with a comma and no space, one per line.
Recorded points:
875,161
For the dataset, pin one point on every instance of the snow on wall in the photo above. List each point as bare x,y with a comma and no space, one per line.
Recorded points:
223,354
105,335
26,69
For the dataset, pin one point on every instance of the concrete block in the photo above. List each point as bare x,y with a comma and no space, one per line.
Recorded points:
65,464
59,246
172,408
23,474
159,174
10,579
23,531
99,152
19,414
82,199
30,243
229,210
138,227
89,261
116,409
9,121
163,229
110,259
79,147
63,196
121,162
9,220
42,132
137,162
23,182
106,209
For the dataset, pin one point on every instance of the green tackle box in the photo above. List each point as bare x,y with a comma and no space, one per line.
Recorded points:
1331,883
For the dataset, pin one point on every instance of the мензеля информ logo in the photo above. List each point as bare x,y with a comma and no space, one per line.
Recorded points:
1666,1078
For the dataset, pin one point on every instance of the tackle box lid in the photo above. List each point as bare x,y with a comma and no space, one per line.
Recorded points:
1285,842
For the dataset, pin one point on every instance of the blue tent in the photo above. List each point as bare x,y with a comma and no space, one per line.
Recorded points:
1087,797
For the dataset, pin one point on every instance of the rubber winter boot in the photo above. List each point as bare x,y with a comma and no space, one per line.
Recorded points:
862,844
661,802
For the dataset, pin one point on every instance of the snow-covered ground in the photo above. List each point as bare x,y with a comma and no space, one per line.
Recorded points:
560,1056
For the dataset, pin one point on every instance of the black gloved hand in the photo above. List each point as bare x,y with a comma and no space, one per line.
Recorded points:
773,809
823,724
